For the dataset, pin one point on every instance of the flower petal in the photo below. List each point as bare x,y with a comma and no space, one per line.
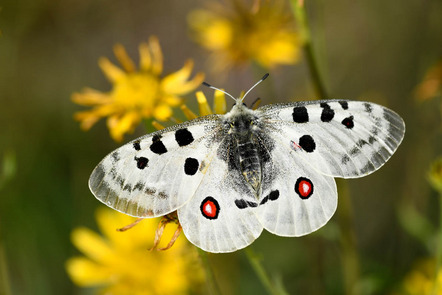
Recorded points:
91,244
87,119
145,57
175,83
109,221
212,31
90,97
86,273
282,49
124,59
157,55
111,71
121,125
203,105
219,102
157,125
162,112
172,100
188,113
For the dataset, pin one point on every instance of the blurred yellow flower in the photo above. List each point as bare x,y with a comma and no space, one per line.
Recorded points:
421,280
435,175
236,34
135,94
431,85
120,263
219,107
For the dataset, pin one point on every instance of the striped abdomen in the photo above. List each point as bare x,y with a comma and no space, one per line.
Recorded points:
249,161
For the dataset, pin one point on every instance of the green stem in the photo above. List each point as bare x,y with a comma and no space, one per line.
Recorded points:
304,31
211,280
255,262
314,72
350,257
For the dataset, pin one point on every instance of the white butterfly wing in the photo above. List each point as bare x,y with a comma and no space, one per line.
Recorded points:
157,173
212,219
193,168
339,138
297,200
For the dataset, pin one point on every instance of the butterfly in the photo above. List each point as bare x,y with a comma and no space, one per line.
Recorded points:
231,176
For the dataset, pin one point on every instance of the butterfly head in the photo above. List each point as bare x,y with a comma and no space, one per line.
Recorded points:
240,120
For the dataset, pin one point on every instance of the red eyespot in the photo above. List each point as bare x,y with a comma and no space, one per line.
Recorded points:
304,187
210,208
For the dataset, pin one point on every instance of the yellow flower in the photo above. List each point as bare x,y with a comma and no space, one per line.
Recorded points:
421,280
135,94
237,34
120,263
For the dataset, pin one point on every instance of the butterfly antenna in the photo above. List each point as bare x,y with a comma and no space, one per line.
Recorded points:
210,86
256,84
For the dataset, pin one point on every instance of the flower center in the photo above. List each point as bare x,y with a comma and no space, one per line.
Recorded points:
136,91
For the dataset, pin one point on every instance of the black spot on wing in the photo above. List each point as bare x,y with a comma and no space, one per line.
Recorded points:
113,172
327,113
345,159
344,104
139,186
163,195
141,162
191,166
300,115
307,143
242,204
374,131
137,146
354,151
361,142
127,187
150,191
115,157
157,145
272,196
368,107
183,137
348,122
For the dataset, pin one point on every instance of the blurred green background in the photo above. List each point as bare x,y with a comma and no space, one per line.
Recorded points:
371,50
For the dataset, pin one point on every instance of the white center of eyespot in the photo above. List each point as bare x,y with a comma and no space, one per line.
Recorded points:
208,209
305,187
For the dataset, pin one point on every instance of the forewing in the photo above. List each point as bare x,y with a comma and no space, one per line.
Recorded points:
296,199
339,138
157,173
214,219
